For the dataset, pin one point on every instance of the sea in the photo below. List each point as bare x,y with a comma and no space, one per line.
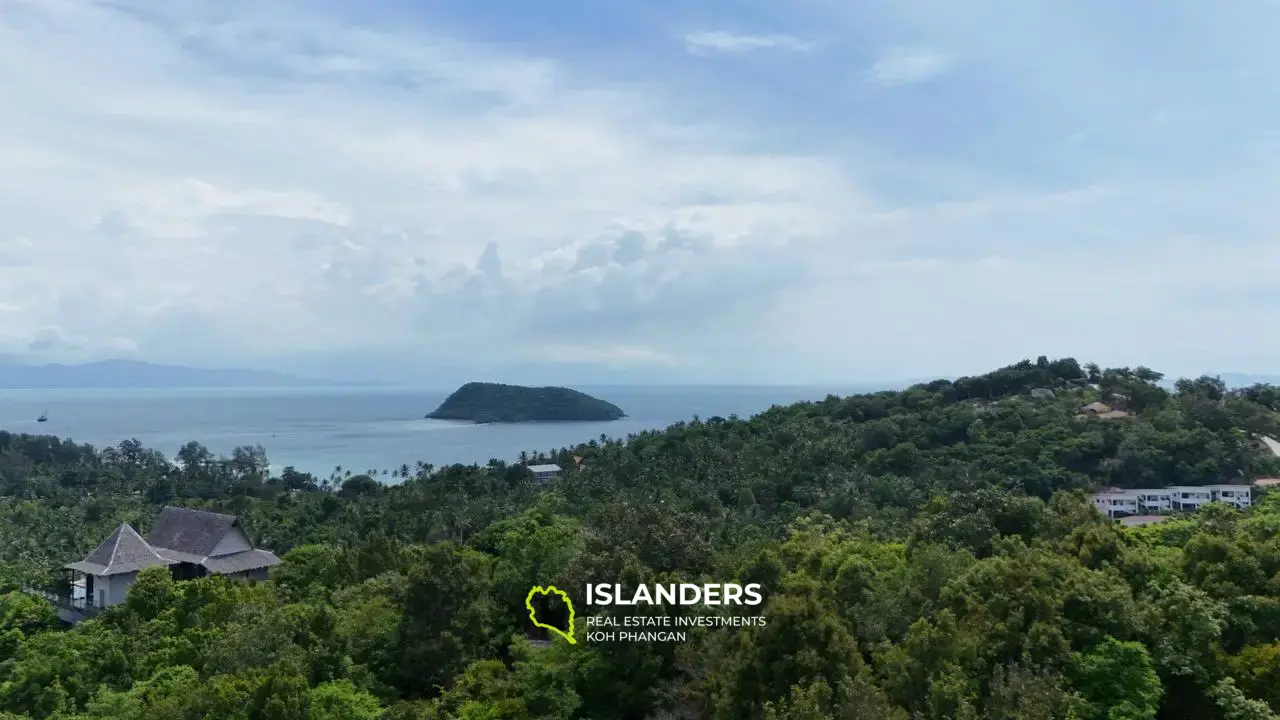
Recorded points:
317,430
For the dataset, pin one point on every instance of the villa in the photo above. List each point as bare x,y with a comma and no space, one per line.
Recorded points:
543,473
1120,503
191,543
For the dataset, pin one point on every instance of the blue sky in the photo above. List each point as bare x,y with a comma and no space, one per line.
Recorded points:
807,191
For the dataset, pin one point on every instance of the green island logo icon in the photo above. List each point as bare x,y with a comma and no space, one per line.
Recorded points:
539,590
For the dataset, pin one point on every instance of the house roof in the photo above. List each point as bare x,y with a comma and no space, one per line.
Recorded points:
241,561
1097,407
179,556
545,468
192,532
224,564
179,535
125,551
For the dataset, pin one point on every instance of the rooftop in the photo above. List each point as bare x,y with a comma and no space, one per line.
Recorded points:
124,552
193,532
1115,491
179,535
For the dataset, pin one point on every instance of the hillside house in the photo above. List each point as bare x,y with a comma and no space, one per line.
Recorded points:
543,473
1120,503
191,543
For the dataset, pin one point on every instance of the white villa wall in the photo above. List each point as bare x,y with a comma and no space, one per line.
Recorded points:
101,590
1240,496
1155,500
111,590
1191,497
1116,503
233,542
119,587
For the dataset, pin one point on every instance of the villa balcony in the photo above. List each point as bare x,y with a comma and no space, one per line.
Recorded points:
71,608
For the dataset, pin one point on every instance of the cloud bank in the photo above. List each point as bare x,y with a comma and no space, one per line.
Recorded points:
285,187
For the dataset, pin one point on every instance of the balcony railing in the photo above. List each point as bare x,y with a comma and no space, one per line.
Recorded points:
84,606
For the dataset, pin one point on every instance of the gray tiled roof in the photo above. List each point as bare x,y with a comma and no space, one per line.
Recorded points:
125,551
177,556
241,561
545,468
194,532
179,535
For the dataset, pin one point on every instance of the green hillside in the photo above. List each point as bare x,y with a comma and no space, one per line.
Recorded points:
930,553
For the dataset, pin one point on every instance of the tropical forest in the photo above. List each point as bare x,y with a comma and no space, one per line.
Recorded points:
932,553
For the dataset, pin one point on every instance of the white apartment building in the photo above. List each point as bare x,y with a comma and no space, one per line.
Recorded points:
1155,500
1240,496
1190,497
1118,503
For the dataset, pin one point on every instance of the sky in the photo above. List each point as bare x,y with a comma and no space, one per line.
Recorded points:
809,191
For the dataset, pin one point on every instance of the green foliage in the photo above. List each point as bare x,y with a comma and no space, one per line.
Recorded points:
1234,705
1118,682
925,554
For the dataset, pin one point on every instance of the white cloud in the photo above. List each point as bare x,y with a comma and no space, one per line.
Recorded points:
908,66
611,355
261,184
215,185
720,41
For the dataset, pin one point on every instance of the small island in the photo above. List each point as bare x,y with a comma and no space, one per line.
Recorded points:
496,403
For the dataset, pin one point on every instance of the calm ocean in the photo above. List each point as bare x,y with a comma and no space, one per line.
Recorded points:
360,429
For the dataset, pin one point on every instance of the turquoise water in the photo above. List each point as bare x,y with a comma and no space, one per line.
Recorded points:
359,428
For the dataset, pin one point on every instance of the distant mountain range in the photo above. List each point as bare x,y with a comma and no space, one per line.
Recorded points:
111,374
124,374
